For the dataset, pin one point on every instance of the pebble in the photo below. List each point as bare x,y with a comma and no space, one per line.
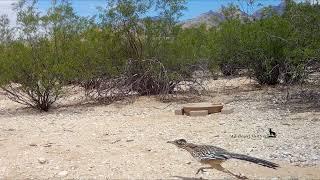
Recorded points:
42,161
47,145
63,173
90,168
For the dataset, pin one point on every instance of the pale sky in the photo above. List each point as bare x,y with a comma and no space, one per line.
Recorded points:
88,7
6,8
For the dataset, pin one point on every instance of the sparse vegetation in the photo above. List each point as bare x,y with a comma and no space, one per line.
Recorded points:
125,52
273,46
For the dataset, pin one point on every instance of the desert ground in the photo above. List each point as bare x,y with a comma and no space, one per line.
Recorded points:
127,140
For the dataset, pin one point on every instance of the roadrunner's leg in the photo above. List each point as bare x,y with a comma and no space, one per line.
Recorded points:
203,169
222,169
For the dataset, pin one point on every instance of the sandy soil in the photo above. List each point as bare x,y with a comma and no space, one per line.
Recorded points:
129,140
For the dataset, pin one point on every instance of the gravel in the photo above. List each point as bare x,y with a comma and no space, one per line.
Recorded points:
122,141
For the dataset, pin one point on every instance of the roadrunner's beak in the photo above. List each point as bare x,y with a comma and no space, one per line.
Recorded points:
171,142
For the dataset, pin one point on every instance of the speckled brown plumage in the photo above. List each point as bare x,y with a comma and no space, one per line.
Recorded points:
214,156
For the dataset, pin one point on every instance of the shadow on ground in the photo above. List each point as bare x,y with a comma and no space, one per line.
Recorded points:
307,100
188,178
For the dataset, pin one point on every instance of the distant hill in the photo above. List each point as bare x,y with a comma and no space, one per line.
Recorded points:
279,9
213,18
210,18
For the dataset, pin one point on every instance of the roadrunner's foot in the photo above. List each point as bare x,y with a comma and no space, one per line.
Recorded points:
241,177
202,170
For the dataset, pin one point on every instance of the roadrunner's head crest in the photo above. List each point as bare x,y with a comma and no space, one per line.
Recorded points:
179,142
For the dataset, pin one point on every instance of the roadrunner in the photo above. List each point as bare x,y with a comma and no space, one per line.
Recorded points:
215,156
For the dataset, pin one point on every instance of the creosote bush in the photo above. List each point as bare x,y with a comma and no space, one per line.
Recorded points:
35,64
274,49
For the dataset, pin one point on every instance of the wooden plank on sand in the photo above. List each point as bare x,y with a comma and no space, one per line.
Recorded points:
211,108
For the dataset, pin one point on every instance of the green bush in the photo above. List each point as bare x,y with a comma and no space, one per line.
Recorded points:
226,47
36,66
266,42
305,38
33,81
128,52
273,47
157,63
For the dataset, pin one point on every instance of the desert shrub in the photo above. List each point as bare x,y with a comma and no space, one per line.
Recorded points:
225,41
226,47
96,56
258,46
190,48
275,48
305,39
31,81
291,40
266,42
151,60
126,52
6,31
36,65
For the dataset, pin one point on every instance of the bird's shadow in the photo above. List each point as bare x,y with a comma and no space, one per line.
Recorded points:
189,178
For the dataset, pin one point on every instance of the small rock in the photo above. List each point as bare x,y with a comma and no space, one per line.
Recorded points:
90,168
47,145
33,144
286,124
118,140
130,140
63,173
42,161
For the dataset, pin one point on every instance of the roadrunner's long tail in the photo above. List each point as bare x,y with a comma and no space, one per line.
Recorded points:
255,160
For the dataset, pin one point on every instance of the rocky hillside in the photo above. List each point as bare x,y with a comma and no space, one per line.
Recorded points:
277,9
213,18
210,18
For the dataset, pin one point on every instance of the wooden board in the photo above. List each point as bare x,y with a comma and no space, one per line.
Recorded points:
199,113
211,108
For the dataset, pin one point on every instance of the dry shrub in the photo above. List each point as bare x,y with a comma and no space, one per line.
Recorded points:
142,78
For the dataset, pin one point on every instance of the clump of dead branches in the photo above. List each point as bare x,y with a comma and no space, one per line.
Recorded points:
143,78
